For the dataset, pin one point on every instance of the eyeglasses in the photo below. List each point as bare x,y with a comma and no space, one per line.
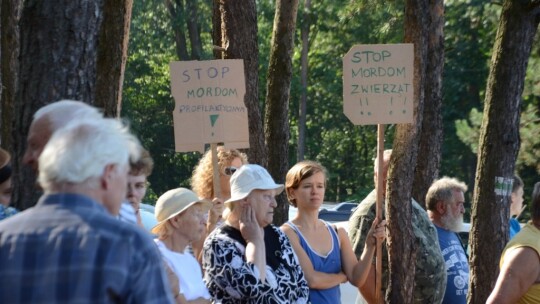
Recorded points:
229,170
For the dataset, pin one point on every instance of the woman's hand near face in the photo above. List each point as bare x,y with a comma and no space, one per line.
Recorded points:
254,236
249,227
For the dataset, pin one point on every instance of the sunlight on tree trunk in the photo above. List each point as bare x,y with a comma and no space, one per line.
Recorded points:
238,38
401,241
277,98
499,143
112,56
431,136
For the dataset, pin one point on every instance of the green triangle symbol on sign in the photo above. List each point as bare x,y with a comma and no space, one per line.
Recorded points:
213,119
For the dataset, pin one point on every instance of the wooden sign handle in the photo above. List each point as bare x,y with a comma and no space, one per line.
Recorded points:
378,211
215,169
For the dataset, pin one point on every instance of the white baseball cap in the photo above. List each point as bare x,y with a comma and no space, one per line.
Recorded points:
248,178
174,202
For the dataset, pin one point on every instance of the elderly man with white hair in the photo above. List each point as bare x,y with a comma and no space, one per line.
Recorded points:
52,117
445,201
68,248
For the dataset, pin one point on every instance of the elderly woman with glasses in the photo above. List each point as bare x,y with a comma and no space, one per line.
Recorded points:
202,183
180,215
247,259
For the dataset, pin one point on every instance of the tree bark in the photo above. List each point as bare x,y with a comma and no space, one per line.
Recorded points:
304,32
193,30
59,47
58,51
499,143
112,56
431,136
277,98
238,37
9,67
401,239
176,11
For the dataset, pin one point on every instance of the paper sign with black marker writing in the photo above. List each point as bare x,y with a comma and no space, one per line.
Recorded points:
378,84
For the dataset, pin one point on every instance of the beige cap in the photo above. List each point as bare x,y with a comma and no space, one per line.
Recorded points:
174,202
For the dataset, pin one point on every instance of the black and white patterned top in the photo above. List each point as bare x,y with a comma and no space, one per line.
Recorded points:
231,279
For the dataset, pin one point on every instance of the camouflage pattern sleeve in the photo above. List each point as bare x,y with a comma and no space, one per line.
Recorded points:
360,222
430,275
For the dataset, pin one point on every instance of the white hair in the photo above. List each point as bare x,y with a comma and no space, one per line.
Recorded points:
62,112
80,151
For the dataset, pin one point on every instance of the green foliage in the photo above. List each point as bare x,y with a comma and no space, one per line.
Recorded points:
147,101
346,150
468,130
469,34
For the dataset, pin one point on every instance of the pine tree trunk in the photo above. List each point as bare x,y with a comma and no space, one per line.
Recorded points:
59,46
238,37
112,56
499,143
401,239
277,98
176,12
306,22
193,29
9,67
431,136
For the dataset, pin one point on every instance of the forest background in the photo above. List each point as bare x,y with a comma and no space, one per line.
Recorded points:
160,33
292,52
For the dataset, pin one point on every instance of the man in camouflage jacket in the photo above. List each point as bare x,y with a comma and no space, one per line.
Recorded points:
430,274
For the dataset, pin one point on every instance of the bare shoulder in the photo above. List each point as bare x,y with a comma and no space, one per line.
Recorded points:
289,231
524,260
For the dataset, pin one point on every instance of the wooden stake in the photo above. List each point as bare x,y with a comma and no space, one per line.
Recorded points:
378,211
215,169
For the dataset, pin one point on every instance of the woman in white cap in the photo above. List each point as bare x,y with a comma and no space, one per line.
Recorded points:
324,251
247,259
181,220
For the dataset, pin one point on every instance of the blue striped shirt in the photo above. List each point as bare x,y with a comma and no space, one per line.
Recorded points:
68,249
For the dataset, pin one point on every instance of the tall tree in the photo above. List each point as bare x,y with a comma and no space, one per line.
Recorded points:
237,38
57,60
401,239
277,97
193,29
304,33
499,143
112,55
431,137
9,66
184,20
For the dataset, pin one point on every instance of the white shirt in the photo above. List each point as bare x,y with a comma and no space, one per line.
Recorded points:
127,213
188,270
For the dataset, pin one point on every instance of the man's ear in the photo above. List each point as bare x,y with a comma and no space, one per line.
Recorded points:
108,174
441,207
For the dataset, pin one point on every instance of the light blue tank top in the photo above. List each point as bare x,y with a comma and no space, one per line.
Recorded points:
330,263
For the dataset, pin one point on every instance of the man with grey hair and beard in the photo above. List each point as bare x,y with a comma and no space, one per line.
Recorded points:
52,117
69,248
444,201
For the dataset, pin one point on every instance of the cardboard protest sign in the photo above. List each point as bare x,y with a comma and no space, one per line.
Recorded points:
209,97
378,84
